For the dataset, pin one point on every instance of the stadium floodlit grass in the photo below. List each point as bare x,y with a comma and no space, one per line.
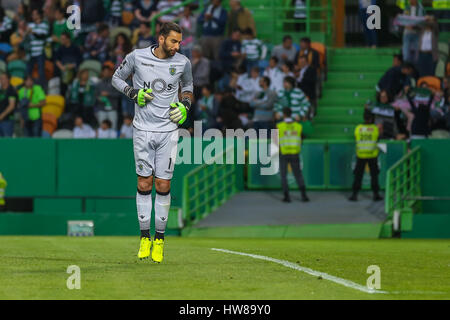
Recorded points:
35,268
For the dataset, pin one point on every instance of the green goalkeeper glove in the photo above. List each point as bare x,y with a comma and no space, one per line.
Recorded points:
179,111
141,97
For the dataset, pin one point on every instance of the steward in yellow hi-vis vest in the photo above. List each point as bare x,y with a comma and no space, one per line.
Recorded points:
290,142
441,12
441,4
401,4
2,190
366,136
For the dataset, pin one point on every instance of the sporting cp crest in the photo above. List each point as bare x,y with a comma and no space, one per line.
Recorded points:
172,70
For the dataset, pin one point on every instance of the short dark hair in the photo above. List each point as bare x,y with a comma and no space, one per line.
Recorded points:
167,27
39,11
288,37
291,81
274,58
209,87
65,33
306,39
287,111
399,56
248,31
266,80
60,10
289,64
303,57
107,122
407,65
368,116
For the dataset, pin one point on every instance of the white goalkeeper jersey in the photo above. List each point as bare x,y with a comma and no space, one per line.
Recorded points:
163,76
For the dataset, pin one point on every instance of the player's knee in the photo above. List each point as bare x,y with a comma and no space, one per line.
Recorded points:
162,186
145,185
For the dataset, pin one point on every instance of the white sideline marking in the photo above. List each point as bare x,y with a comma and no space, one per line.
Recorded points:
344,282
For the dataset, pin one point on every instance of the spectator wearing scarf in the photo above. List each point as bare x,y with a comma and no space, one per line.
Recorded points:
81,97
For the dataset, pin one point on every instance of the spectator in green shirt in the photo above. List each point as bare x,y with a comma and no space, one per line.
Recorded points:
252,49
59,27
294,98
31,100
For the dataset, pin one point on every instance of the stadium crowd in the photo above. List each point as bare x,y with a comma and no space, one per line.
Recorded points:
55,77
412,101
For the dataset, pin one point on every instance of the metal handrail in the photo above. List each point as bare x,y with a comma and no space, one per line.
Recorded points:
218,182
403,182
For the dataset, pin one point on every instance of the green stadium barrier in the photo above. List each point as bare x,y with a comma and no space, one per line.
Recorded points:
403,180
209,186
28,166
312,157
105,224
417,194
328,165
435,174
79,179
90,167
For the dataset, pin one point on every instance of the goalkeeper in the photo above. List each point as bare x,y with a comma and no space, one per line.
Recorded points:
159,73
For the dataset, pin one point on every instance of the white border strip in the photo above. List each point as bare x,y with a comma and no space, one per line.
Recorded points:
344,282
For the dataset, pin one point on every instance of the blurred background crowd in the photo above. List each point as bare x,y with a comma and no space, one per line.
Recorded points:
56,80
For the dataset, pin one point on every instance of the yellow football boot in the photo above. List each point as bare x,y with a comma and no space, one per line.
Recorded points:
144,249
158,250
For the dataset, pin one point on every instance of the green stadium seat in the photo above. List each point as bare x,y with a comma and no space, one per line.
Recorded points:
443,48
2,67
17,68
93,66
440,68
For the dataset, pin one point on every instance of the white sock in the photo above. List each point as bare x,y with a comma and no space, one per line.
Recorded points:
144,210
162,206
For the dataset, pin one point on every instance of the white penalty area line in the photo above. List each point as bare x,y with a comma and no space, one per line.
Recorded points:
323,275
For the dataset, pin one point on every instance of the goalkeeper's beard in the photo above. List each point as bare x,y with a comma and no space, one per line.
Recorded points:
167,51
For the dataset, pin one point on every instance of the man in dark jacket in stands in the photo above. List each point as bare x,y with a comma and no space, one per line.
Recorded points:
395,79
306,80
311,54
230,51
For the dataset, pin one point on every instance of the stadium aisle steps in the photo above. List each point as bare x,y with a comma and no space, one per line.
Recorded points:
352,76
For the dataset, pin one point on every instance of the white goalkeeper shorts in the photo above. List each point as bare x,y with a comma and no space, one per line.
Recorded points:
155,153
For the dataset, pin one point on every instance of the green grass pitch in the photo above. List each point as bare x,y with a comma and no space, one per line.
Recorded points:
35,268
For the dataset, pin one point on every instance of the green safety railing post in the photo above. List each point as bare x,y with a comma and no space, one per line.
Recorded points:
207,191
185,200
205,175
197,197
326,167
308,17
403,182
